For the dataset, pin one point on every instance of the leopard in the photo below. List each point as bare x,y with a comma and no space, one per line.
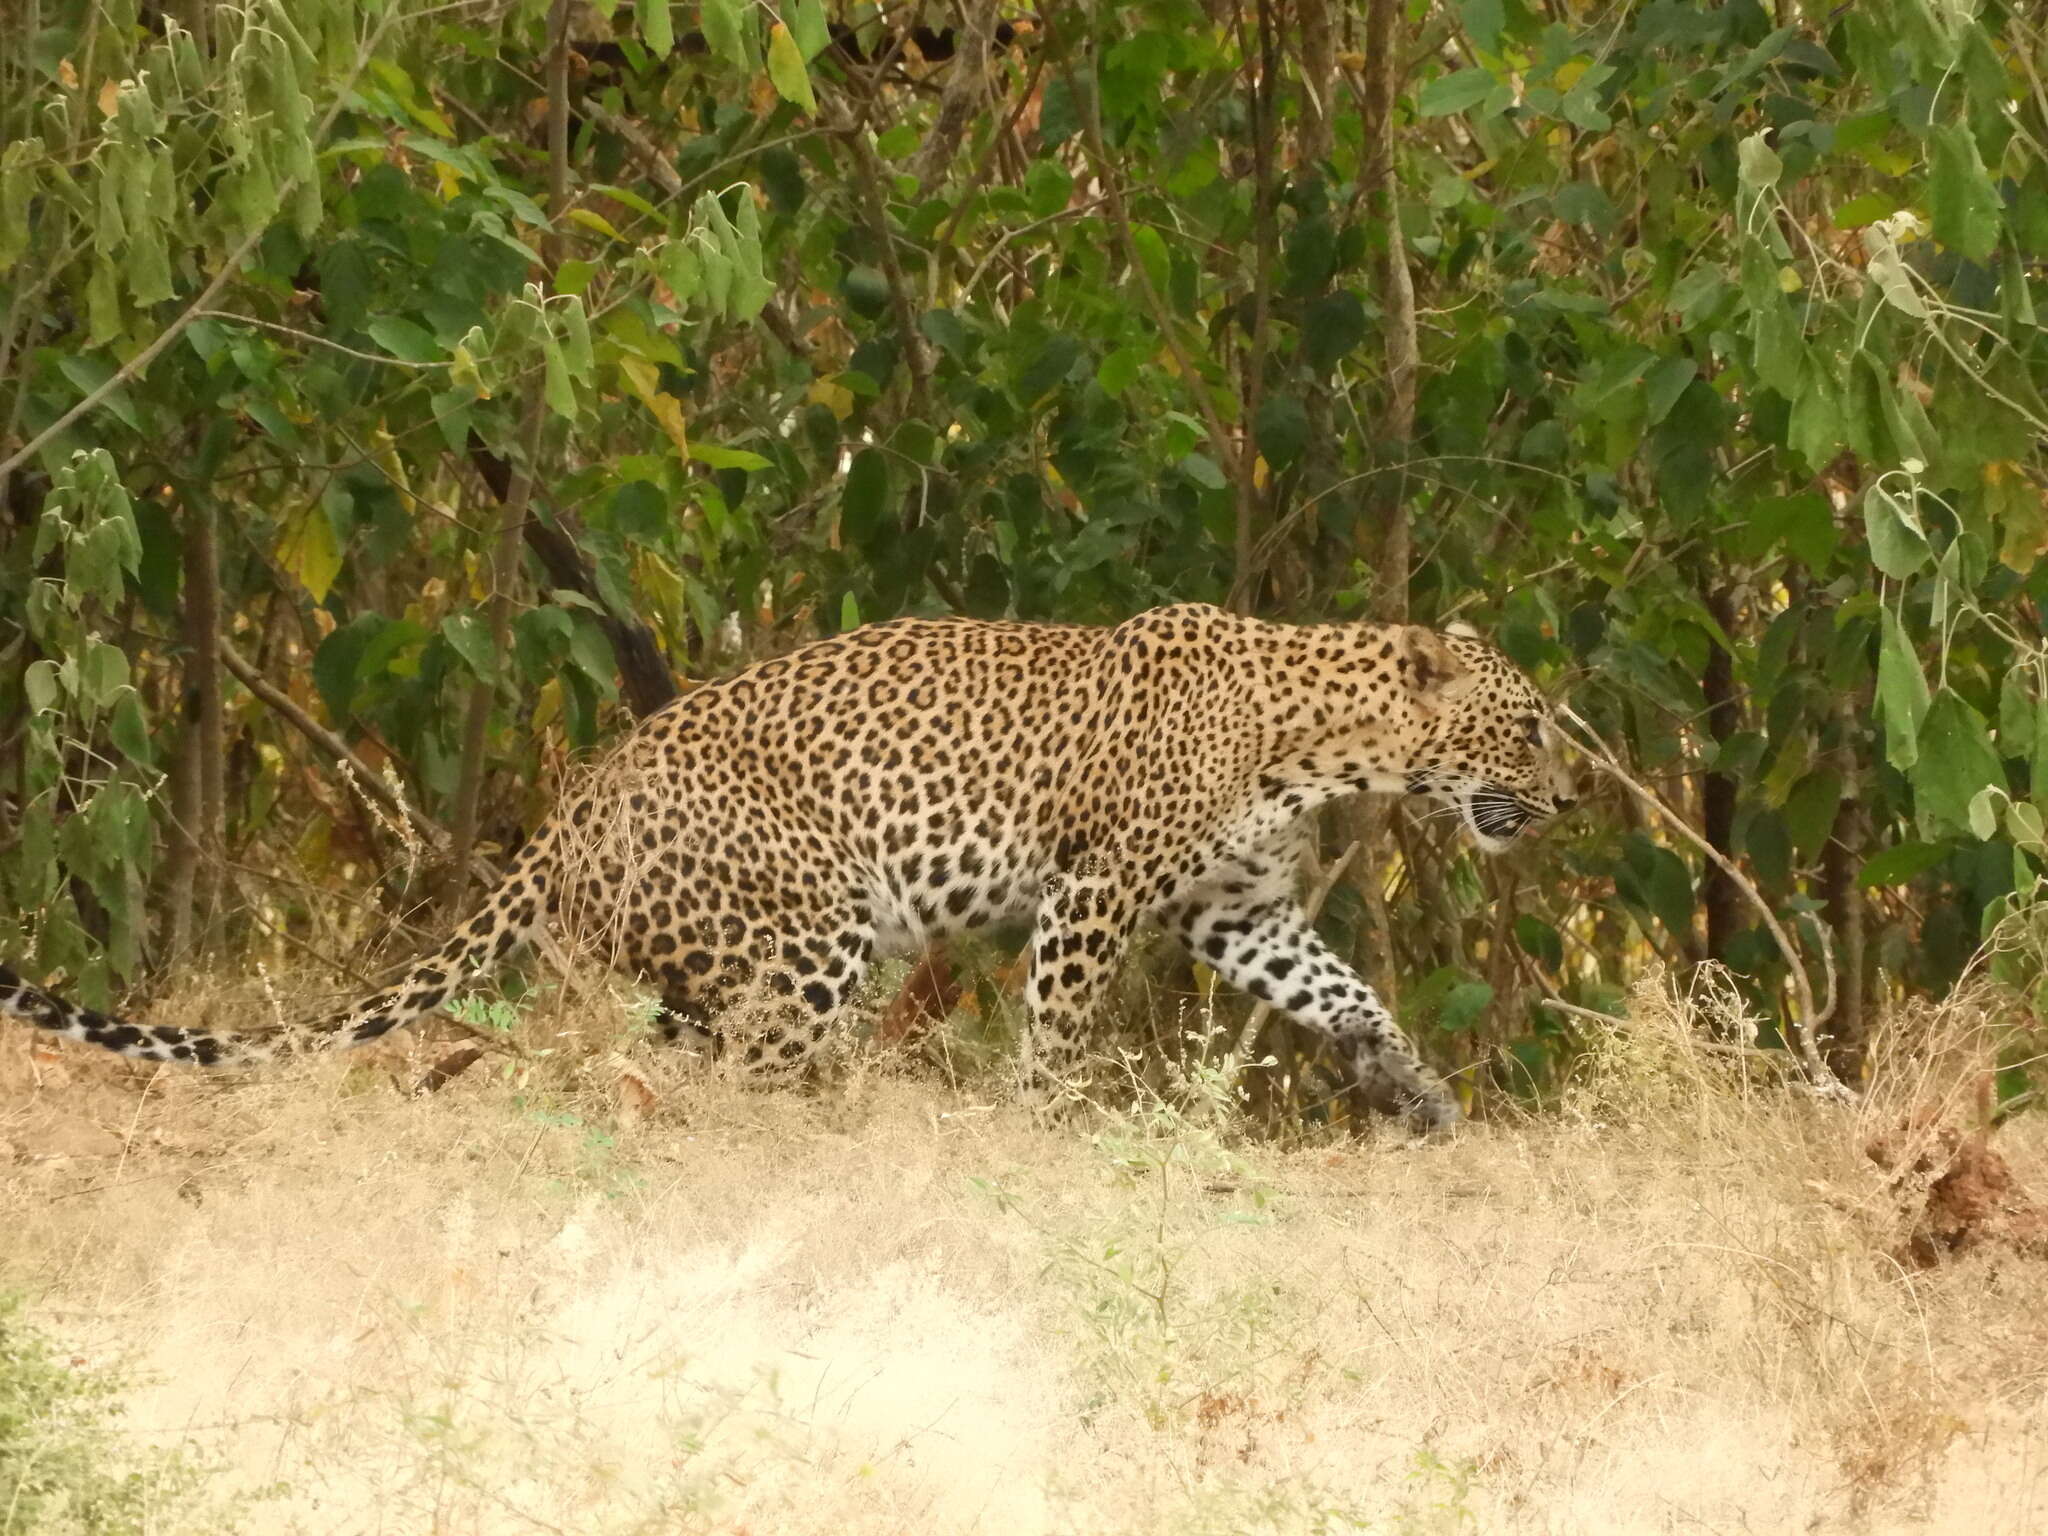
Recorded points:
767,836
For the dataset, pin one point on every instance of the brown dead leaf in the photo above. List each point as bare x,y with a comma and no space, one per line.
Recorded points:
448,1068
637,1097
927,995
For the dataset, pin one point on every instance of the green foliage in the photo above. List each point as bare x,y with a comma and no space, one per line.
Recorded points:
59,1451
1729,367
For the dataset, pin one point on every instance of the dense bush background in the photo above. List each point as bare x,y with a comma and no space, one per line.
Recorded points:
439,383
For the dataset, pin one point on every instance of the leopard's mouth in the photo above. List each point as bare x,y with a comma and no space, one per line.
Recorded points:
1496,818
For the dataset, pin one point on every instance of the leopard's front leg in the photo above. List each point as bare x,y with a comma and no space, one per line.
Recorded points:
1264,944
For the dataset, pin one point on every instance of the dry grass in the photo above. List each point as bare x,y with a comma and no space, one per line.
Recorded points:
563,1296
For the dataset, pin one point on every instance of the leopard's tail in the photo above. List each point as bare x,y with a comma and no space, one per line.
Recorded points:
512,914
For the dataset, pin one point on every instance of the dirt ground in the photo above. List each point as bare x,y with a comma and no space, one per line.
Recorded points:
579,1291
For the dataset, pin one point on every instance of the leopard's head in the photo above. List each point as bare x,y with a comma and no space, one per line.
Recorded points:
1488,753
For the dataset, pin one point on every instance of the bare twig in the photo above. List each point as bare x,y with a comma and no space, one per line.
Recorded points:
372,783
1591,1015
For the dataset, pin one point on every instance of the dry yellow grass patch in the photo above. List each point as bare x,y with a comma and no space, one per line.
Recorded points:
533,1303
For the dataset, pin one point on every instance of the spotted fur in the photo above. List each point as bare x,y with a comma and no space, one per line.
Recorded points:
765,837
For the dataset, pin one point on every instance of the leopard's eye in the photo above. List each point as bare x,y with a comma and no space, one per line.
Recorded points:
1532,730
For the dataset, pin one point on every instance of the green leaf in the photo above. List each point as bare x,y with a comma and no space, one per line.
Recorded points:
1201,469
2020,512
1902,695
1334,325
1984,812
1897,866
1695,296
1048,186
1120,369
1664,384
1483,20
1867,209
1780,348
680,267
866,290
864,504
808,23
597,223
849,613
1810,811
1956,762
2023,824
1757,163
592,654
751,289
574,275
129,731
1898,546
310,551
2016,712
1656,880
1463,1006
1281,430
725,458
575,339
720,22
556,389
1456,92
402,338
1965,203
657,29
786,70
1539,940
39,682
2040,773
102,673
470,638
335,663
1151,248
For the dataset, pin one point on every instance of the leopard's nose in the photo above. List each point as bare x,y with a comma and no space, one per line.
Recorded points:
1563,803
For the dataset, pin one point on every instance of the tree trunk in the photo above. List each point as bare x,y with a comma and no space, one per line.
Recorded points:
1383,78
1318,50
1388,506
1718,894
512,512
202,807
1847,915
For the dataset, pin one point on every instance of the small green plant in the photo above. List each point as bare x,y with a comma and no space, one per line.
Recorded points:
59,1450
491,1013
1438,1506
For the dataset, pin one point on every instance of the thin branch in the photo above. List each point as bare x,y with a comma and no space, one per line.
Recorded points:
320,736
1803,1034
307,338
1591,1015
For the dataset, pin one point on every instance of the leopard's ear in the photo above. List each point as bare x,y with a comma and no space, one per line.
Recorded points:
1461,629
1431,664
